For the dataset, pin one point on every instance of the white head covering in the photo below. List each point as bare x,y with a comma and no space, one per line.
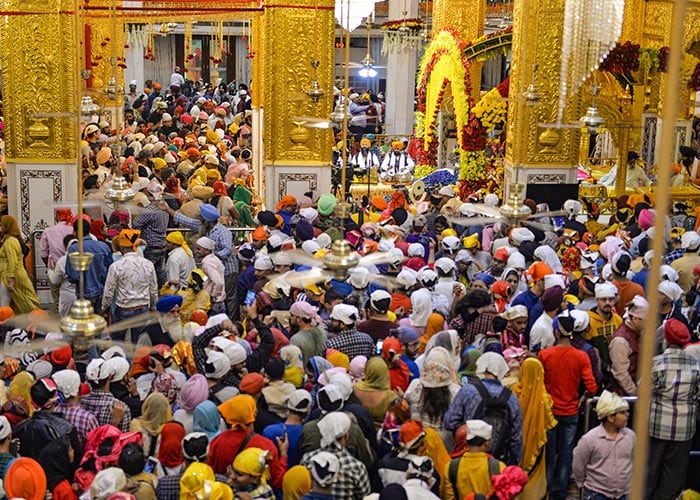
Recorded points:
492,363
421,307
437,370
514,312
605,290
478,428
107,481
547,255
666,272
671,290
551,280
333,426
610,403
516,260
358,277
68,382
520,234
407,277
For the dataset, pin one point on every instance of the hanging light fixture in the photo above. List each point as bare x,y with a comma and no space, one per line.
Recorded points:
532,94
315,92
592,119
367,70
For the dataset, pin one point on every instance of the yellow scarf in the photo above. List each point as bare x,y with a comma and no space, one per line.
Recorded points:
537,417
176,238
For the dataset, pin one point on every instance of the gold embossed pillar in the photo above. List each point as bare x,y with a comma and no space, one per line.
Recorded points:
467,18
547,154
40,81
106,46
296,159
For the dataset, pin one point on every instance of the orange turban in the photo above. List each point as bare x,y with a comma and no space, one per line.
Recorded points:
128,237
240,410
252,383
25,479
286,201
6,313
259,234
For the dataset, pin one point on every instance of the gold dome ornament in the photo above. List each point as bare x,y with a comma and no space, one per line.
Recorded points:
82,320
341,259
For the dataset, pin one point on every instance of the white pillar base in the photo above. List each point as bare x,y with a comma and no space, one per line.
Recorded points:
295,179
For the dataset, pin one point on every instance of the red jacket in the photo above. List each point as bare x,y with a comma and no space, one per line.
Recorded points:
564,369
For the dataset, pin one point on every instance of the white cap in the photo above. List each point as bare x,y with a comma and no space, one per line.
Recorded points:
605,290
690,240
68,382
205,242
478,428
407,277
551,280
345,313
217,365
263,262
5,428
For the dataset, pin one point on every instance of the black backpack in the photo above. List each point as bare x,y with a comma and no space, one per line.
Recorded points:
496,413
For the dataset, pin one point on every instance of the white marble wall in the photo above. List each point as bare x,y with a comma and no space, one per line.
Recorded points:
401,77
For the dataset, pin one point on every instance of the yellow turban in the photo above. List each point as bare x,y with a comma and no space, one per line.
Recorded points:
202,192
196,478
253,461
296,483
213,174
240,410
294,376
128,237
471,241
158,163
176,238
338,359
212,137
397,144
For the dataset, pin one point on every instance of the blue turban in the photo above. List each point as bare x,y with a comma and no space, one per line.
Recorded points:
304,230
209,212
485,277
167,302
341,287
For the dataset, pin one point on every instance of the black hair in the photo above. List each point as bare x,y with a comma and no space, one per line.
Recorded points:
435,401
86,226
476,441
132,459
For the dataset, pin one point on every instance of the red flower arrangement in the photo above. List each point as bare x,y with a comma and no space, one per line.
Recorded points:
663,59
694,83
623,59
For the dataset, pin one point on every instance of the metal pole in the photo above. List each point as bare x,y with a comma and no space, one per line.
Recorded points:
670,112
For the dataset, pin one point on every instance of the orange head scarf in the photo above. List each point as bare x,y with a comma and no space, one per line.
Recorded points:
537,417
435,323
9,226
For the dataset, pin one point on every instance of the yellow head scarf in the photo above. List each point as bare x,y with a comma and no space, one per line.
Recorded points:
376,376
296,483
199,481
338,359
434,447
176,238
253,461
537,417
156,413
20,386
9,226
294,376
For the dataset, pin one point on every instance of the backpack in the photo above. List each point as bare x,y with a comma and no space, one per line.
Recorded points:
494,469
496,413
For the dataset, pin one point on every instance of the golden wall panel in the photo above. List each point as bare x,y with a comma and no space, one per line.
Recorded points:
539,43
106,42
634,18
292,37
39,76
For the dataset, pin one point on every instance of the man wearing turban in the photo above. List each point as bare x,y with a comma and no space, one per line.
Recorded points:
51,247
131,282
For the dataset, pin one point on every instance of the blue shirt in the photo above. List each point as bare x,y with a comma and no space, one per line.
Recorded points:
467,402
223,241
96,274
412,367
274,431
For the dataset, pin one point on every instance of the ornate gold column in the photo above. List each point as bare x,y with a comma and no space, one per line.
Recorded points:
297,159
40,76
547,154
106,45
634,18
467,18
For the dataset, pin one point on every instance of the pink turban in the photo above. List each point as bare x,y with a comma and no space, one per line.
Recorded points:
646,219
194,392
303,309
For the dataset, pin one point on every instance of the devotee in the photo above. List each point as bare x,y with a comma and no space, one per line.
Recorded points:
625,346
16,287
674,378
565,369
131,282
347,339
602,463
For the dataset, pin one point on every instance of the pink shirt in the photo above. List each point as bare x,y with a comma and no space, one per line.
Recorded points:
51,242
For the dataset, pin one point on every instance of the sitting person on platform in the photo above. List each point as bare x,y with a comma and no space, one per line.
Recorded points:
636,176
364,160
396,162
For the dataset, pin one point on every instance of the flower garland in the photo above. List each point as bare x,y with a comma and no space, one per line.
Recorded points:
444,62
491,110
472,165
